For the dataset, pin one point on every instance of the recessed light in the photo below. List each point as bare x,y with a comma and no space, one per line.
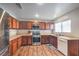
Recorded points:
36,15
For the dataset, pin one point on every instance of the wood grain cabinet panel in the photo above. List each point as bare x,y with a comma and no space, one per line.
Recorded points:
29,24
10,22
18,25
42,25
19,42
24,40
53,41
73,47
14,24
47,26
14,45
29,40
44,39
10,48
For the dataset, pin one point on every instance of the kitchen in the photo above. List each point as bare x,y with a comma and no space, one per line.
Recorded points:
34,35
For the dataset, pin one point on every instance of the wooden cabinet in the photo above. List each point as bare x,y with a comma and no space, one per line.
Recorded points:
26,25
13,23
53,41
73,47
44,39
19,40
10,22
47,26
29,40
26,40
42,25
14,45
18,24
29,24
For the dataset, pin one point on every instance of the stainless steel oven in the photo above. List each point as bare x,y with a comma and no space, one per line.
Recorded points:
35,34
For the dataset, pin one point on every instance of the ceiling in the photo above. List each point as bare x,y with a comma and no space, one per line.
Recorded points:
40,11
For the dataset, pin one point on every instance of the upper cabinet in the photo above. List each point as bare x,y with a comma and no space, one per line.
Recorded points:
13,23
47,26
44,25
29,24
10,22
26,24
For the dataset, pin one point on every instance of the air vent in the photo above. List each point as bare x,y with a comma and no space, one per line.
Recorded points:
19,5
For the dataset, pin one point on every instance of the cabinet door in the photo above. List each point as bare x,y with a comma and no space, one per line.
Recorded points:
73,47
17,24
14,23
44,39
30,40
10,48
24,40
19,41
53,41
14,46
10,22
21,25
29,24
47,26
24,23
42,25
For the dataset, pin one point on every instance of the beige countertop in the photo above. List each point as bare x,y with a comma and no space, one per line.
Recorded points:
68,38
63,37
19,35
59,37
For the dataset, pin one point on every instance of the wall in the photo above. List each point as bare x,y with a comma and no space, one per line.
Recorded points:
12,32
74,16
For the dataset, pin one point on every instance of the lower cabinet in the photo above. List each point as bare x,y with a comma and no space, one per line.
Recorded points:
44,39
13,46
19,41
53,40
26,40
73,47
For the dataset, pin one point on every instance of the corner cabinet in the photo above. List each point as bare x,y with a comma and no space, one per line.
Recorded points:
53,40
44,39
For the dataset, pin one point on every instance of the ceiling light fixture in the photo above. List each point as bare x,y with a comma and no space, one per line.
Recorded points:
36,15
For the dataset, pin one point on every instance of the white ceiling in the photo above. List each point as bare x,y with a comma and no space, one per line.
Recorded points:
46,11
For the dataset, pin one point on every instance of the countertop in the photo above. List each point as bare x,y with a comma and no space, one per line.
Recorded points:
59,37
19,35
63,37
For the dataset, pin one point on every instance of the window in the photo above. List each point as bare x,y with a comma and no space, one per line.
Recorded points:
66,26
58,27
